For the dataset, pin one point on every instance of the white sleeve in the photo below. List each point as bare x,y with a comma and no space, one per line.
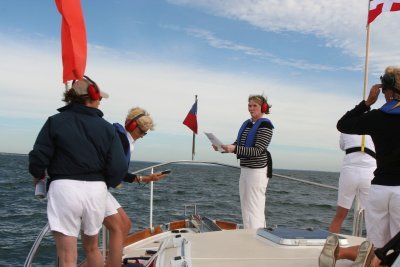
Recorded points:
342,142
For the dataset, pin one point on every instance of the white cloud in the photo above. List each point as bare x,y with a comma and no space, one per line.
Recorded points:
304,122
254,52
305,136
340,23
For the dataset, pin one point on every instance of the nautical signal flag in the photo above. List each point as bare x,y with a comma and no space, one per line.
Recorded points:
191,118
376,7
73,39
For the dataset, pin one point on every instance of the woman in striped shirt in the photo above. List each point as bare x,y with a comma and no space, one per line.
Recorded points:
250,147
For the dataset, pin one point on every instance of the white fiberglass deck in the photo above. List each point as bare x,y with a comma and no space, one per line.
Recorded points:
237,248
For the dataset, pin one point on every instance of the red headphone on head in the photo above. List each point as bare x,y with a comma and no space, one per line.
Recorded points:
93,90
131,124
264,106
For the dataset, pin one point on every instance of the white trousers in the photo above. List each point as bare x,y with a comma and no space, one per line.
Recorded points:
252,187
382,214
353,180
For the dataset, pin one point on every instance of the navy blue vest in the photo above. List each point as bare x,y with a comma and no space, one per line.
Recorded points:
124,140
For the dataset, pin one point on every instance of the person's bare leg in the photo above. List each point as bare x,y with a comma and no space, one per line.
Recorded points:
376,262
337,221
127,224
118,226
66,249
92,251
349,253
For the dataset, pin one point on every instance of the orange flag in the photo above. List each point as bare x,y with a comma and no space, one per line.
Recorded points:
73,39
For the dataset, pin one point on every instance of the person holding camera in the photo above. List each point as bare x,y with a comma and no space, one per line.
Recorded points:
382,213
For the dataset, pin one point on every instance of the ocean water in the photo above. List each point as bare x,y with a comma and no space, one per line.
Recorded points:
213,189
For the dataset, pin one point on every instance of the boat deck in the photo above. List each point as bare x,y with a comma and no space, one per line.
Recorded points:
234,248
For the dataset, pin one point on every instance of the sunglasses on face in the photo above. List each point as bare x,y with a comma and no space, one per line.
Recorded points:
142,132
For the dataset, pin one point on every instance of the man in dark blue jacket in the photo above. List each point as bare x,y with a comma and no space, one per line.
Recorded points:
83,156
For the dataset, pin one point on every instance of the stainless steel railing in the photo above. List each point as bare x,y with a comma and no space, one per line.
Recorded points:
358,211
35,246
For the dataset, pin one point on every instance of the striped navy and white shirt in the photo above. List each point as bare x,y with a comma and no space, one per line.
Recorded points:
256,156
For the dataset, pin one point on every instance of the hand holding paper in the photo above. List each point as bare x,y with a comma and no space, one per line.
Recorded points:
215,141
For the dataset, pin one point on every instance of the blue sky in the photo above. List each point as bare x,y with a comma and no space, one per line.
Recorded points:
306,56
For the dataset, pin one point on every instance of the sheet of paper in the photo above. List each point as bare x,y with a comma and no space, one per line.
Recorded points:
215,141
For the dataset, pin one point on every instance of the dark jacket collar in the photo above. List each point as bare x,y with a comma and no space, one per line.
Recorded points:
79,108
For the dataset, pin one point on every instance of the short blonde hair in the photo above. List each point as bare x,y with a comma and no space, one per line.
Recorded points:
260,99
145,122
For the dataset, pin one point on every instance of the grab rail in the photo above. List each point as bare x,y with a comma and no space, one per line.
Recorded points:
151,168
358,212
231,166
304,181
34,248
358,217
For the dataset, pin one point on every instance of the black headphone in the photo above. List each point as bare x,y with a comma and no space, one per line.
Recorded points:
131,124
389,82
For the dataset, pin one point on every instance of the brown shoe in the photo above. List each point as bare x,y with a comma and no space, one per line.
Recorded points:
330,252
365,255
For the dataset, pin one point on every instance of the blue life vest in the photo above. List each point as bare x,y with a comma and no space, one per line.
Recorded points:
251,136
392,107
122,134
251,139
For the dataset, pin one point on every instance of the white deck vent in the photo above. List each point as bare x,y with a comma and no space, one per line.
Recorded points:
297,237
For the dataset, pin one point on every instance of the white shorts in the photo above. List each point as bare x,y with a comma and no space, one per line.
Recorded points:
76,205
112,205
351,181
252,187
382,214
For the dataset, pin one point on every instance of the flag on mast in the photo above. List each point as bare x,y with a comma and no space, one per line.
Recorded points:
73,39
376,7
191,118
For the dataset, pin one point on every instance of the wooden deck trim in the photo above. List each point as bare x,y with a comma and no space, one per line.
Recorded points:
135,237
177,224
226,225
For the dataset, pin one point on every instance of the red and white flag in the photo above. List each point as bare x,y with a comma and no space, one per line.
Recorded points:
376,7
